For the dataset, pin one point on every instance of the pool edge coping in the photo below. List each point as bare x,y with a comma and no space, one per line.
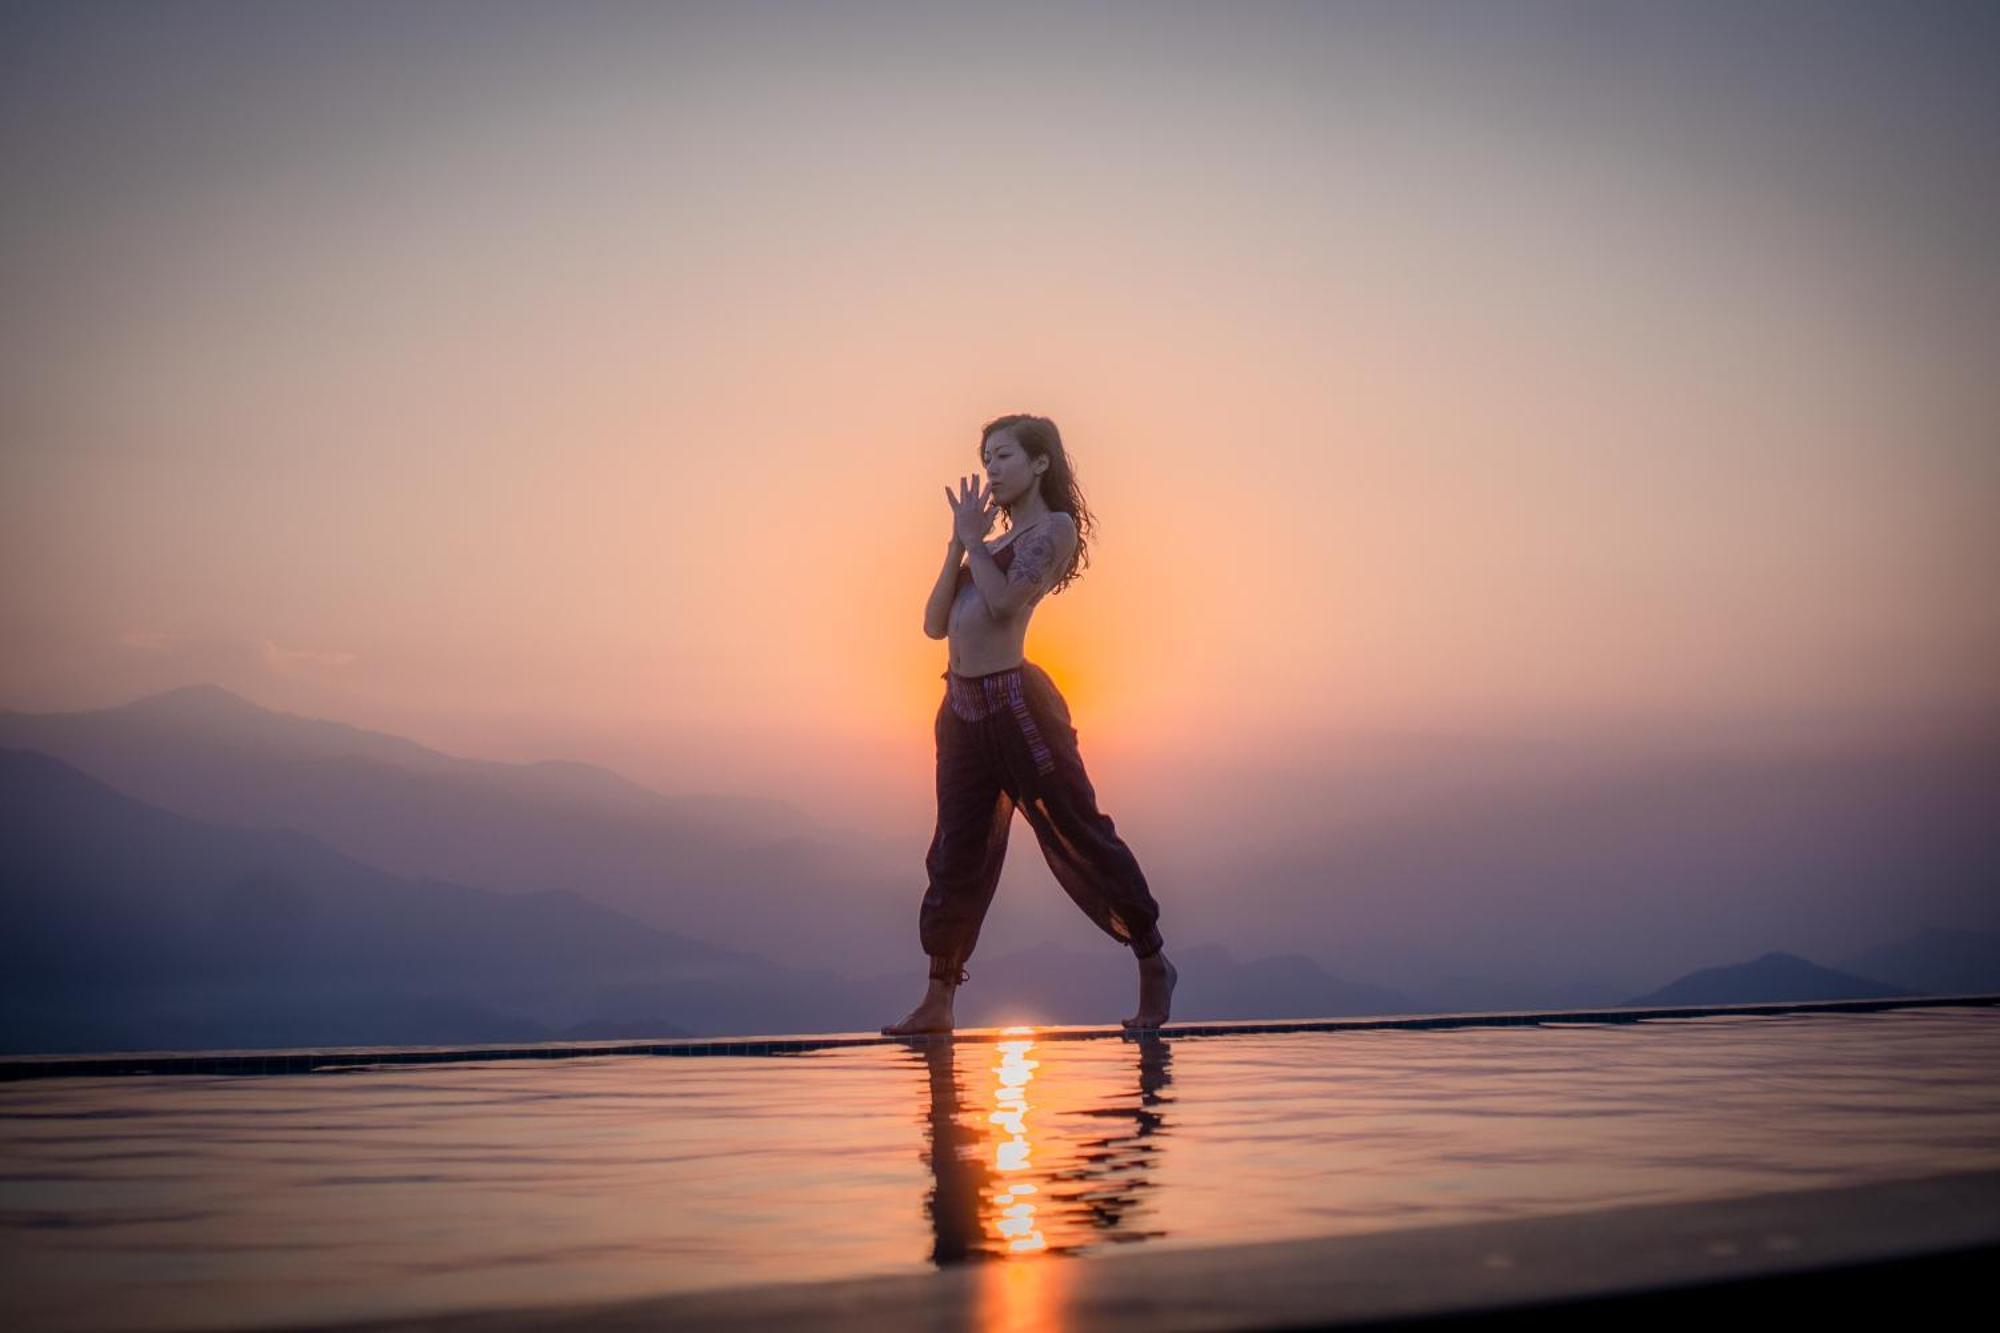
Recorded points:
295,1060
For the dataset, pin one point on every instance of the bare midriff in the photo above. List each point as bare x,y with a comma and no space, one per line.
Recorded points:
982,643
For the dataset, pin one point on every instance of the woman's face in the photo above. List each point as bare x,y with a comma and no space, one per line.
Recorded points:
1010,472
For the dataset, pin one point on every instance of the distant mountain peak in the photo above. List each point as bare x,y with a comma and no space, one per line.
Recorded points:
1774,976
207,712
204,699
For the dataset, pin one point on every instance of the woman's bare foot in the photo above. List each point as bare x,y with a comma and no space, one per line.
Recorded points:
1156,992
933,1015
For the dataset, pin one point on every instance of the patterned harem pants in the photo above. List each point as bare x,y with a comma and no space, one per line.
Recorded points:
1004,741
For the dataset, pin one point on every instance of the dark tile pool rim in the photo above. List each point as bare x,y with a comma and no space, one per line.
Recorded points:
335,1058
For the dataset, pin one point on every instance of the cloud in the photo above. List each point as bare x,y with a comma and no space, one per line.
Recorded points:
222,656
150,641
285,661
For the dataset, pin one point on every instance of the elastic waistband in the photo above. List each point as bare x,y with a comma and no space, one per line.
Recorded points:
949,674
975,698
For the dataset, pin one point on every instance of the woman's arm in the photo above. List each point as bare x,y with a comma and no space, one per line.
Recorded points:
989,578
937,611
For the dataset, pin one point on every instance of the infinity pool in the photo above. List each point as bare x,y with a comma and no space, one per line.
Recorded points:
167,1202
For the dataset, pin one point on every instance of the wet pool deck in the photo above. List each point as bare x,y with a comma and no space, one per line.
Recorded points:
1909,1249
304,1061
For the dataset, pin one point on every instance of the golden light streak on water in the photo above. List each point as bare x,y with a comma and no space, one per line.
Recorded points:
1011,1206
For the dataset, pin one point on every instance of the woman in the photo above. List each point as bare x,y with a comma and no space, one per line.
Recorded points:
1004,739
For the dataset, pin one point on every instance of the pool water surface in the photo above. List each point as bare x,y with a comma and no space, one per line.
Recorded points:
169,1202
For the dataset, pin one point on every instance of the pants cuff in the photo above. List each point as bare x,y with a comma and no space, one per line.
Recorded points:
1148,944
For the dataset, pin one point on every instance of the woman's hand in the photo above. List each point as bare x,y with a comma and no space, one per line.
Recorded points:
972,511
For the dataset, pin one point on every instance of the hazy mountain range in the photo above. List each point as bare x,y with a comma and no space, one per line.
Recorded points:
192,871
708,866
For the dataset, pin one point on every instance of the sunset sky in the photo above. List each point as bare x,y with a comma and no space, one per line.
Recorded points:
581,381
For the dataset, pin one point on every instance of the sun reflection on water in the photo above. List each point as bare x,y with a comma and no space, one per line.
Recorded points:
1036,1152
1013,1213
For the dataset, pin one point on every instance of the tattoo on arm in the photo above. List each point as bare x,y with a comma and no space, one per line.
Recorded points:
1033,563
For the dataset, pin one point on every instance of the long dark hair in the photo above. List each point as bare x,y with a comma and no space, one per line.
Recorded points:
1039,436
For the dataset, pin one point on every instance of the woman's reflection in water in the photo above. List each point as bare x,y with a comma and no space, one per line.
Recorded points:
1007,1183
